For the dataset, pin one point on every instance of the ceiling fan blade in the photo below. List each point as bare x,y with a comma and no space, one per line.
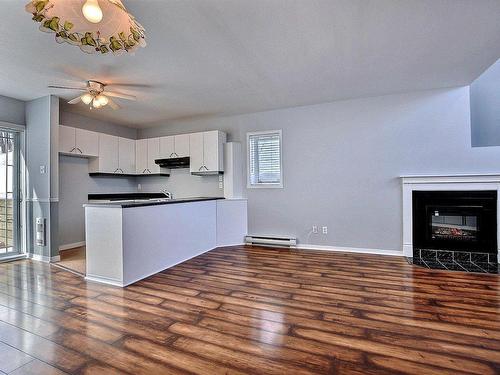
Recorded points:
120,95
76,100
134,85
113,104
68,88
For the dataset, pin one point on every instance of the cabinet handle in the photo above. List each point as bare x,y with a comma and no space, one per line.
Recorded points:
74,148
171,154
199,169
78,148
144,171
115,170
176,154
205,167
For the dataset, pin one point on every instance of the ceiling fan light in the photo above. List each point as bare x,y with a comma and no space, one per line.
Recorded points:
102,99
96,103
86,98
92,11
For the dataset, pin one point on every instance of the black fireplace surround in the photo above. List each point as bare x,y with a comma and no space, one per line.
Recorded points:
455,230
455,220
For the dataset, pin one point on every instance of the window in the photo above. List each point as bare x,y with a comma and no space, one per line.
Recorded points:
264,159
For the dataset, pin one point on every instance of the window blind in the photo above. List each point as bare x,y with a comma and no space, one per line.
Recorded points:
264,158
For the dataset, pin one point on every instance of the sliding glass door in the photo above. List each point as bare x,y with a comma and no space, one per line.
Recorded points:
10,223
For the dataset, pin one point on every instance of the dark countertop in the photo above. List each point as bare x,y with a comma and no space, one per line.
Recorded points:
123,196
142,203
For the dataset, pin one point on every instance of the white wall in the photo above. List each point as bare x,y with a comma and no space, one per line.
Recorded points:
342,161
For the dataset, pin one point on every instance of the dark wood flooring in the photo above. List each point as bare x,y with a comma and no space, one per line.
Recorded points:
253,310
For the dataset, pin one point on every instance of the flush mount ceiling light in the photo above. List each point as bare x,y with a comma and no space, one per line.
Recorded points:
93,25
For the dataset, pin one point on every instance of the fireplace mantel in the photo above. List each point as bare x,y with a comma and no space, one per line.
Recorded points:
409,183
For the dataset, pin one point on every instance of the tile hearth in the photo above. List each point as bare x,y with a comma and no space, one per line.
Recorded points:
455,261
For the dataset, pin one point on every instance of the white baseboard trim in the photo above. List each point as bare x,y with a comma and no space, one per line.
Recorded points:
349,249
38,257
10,258
57,258
104,280
71,245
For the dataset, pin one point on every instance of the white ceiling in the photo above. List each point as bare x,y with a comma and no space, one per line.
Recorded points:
211,57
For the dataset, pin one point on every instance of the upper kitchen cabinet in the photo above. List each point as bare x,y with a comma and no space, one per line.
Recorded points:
107,162
116,156
126,155
174,146
206,152
147,151
78,142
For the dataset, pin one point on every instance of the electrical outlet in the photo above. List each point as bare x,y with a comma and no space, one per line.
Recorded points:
42,169
139,187
315,229
325,230
221,185
221,178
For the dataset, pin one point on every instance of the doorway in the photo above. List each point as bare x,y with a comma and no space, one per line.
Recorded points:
10,193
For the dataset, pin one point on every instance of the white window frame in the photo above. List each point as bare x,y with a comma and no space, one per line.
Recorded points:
265,185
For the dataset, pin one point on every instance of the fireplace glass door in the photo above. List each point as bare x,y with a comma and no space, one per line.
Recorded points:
449,226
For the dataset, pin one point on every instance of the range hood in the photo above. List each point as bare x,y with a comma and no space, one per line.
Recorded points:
173,163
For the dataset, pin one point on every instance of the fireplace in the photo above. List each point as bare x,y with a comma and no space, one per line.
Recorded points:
455,226
455,220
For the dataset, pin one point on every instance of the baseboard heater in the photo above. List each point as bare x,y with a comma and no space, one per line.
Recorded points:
271,241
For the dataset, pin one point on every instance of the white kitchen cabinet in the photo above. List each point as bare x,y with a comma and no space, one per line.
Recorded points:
206,152
108,159
78,142
181,143
174,146
196,152
141,156
147,151
153,154
126,155
167,147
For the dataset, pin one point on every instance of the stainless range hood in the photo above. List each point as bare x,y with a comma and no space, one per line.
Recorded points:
173,163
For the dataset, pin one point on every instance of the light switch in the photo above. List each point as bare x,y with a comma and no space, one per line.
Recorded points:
43,169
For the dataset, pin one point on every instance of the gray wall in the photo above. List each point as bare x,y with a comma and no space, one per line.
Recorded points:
342,161
183,185
42,119
75,183
79,121
485,107
12,110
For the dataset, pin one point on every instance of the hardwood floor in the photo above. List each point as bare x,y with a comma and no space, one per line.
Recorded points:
73,259
253,310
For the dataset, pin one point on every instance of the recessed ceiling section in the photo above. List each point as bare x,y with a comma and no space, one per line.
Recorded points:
227,57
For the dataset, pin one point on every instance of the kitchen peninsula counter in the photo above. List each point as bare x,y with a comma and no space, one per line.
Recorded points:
129,240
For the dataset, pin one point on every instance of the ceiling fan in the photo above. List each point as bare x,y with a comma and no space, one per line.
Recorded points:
96,95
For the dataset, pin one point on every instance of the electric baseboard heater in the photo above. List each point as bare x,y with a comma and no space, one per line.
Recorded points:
271,241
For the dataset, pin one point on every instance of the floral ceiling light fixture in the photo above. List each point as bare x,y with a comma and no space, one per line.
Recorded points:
96,26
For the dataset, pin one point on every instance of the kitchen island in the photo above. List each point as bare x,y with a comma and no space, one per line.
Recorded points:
129,240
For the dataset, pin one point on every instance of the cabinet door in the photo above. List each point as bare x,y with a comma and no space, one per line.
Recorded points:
196,152
66,139
153,154
167,147
87,142
141,156
211,151
181,145
126,155
108,153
